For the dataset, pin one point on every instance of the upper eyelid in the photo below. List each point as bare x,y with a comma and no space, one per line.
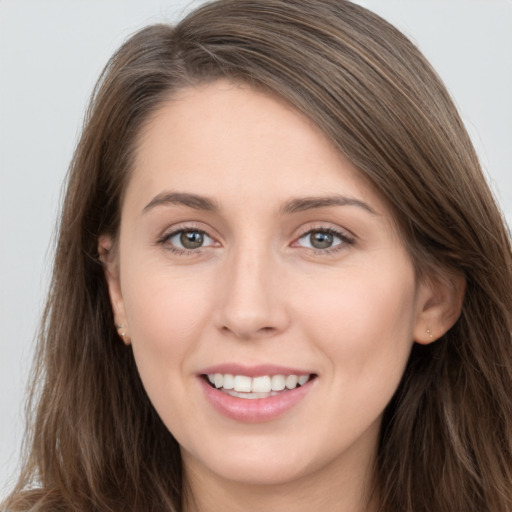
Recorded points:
325,227
179,230
170,234
165,241
347,238
301,232
337,234
185,226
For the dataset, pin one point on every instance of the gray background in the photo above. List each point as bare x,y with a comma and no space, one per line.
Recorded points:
51,52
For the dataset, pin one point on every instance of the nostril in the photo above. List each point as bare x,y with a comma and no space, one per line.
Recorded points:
246,333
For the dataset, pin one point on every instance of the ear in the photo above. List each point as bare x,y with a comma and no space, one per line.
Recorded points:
109,259
439,306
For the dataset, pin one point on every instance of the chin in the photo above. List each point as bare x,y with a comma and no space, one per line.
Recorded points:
263,473
260,466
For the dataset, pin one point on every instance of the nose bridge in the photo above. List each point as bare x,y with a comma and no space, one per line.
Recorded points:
251,304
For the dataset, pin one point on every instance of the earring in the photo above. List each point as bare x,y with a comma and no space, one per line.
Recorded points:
122,333
430,334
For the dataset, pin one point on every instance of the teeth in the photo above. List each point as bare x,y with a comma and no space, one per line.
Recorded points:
229,382
291,381
241,383
261,385
303,379
250,396
278,382
258,385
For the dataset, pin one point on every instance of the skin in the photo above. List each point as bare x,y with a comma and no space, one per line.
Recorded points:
256,292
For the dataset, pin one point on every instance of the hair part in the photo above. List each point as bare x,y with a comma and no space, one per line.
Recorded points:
96,443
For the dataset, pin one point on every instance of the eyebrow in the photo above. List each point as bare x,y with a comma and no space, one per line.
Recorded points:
181,198
301,204
309,203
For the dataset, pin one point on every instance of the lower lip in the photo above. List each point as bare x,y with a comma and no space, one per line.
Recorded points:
258,409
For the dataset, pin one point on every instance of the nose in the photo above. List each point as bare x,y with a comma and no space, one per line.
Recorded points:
252,299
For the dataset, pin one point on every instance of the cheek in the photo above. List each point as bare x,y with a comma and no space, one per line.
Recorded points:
166,314
166,311
363,321
362,324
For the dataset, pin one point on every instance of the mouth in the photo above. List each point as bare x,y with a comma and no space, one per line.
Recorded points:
263,386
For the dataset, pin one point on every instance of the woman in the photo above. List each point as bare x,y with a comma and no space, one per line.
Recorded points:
281,280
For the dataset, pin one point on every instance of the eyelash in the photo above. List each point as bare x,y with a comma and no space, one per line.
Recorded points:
345,240
164,240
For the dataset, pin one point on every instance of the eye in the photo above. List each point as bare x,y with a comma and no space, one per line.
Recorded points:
322,239
188,239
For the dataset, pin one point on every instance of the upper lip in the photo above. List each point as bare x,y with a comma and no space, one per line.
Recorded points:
253,371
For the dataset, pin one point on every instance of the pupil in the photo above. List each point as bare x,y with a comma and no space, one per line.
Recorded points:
321,240
191,239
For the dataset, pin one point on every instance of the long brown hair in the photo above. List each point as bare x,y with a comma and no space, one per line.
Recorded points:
96,443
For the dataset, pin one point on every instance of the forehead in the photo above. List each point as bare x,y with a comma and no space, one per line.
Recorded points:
223,138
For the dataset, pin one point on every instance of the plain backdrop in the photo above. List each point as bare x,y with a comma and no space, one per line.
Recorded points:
52,51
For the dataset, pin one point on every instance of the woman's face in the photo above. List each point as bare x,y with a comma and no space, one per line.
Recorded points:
252,254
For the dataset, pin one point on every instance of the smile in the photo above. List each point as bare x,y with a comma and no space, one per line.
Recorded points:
257,394
243,386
